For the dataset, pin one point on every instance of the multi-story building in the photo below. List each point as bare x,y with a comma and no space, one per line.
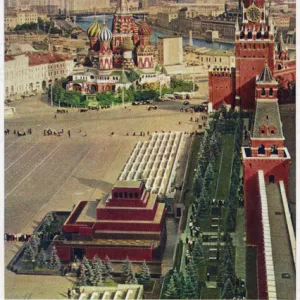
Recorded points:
34,71
26,38
200,24
210,58
49,7
282,21
164,18
13,19
170,51
77,6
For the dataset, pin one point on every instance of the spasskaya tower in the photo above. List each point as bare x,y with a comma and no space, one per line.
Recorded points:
254,46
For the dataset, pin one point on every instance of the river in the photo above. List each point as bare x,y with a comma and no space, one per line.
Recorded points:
85,22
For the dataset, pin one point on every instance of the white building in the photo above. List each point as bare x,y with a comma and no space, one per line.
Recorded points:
13,19
170,51
34,72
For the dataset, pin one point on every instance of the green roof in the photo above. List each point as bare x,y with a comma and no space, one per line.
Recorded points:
134,75
267,114
123,79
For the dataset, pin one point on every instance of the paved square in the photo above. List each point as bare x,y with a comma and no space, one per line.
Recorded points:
44,173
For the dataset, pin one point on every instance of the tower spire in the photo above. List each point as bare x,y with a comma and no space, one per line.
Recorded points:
122,6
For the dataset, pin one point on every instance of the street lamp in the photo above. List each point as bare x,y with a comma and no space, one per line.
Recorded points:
123,96
33,264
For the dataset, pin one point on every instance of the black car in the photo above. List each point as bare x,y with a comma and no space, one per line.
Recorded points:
186,102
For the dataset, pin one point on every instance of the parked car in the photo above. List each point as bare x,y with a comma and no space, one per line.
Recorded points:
186,102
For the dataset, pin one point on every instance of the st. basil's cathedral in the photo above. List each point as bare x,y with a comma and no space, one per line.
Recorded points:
124,57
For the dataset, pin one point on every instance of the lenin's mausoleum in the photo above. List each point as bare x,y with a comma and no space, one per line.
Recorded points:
129,222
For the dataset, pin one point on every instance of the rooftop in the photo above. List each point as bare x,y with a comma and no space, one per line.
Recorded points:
88,213
130,184
281,248
46,58
267,114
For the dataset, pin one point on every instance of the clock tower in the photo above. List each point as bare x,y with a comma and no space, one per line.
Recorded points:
254,45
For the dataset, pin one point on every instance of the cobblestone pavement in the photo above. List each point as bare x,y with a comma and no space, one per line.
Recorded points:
44,173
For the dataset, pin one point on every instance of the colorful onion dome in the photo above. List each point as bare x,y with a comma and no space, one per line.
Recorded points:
128,44
134,27
94,29
145,29
105,34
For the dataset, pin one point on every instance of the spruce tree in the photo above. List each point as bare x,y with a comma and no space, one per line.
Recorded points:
228,291
54,260
202,208
131,279
126,266
191,270
83,278
198,253
189,290
41,259
34,242
98,271
228,270
179,282
198,183
209,176
145,276
107,268
29,253
171,291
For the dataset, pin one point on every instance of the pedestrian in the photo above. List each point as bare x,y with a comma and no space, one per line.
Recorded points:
61,271
15,132
5,237
55,116
69,133
85,134
207,277
69,294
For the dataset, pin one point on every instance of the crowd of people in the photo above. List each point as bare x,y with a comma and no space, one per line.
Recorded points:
18,132
16,237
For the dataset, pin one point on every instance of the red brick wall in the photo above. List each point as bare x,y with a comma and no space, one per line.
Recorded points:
126,214
267,143
120,253
249,63
221,88
254,228
63,252
277,167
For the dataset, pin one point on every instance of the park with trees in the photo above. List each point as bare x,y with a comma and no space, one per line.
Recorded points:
61,97
215,190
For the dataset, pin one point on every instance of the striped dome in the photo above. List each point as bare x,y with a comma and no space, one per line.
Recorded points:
145,29
94,29
128,44
105,34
